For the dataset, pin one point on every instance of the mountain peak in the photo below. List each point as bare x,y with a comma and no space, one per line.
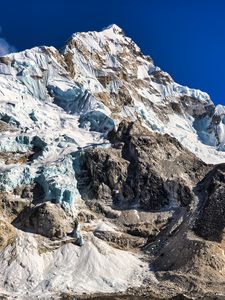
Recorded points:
115,28
111,29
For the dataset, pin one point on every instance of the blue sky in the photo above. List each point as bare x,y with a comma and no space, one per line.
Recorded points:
185,38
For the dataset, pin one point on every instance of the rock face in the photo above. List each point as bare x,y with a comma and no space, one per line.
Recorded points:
210,224
142,169
46,219
7,234
196,246
107,176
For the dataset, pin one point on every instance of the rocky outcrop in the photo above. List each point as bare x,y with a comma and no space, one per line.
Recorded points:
11,205
120,240
194,250
47,219
7,234
211,220
143,169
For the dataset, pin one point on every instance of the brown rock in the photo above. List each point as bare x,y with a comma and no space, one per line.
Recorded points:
47,219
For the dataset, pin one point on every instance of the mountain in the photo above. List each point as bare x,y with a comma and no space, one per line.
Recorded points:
108,182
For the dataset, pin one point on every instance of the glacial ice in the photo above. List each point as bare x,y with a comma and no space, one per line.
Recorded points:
21,144
59,182
15,177
74,99
201,126
14,144
9,119
197,94
97,121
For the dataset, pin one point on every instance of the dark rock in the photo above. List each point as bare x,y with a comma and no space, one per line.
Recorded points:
211,221
146,171
121,241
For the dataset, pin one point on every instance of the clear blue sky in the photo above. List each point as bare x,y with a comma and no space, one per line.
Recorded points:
184,37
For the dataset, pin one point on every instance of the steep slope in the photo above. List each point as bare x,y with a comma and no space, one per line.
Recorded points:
106,182
113,68
194,255
98,68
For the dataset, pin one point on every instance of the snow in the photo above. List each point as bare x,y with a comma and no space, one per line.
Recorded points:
115,28
15,176
182,129
220,110
142,72
94,267
111,44
197,94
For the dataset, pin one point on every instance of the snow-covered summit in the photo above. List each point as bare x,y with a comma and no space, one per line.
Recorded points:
113,68
115,28
100,78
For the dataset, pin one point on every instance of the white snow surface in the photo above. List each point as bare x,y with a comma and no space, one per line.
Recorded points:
94,267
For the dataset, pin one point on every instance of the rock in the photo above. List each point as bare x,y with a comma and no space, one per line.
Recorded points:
7,234
121,241
211,220
148,171
11,206
107,171
47,219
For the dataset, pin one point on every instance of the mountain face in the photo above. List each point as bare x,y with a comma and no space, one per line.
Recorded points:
107,175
